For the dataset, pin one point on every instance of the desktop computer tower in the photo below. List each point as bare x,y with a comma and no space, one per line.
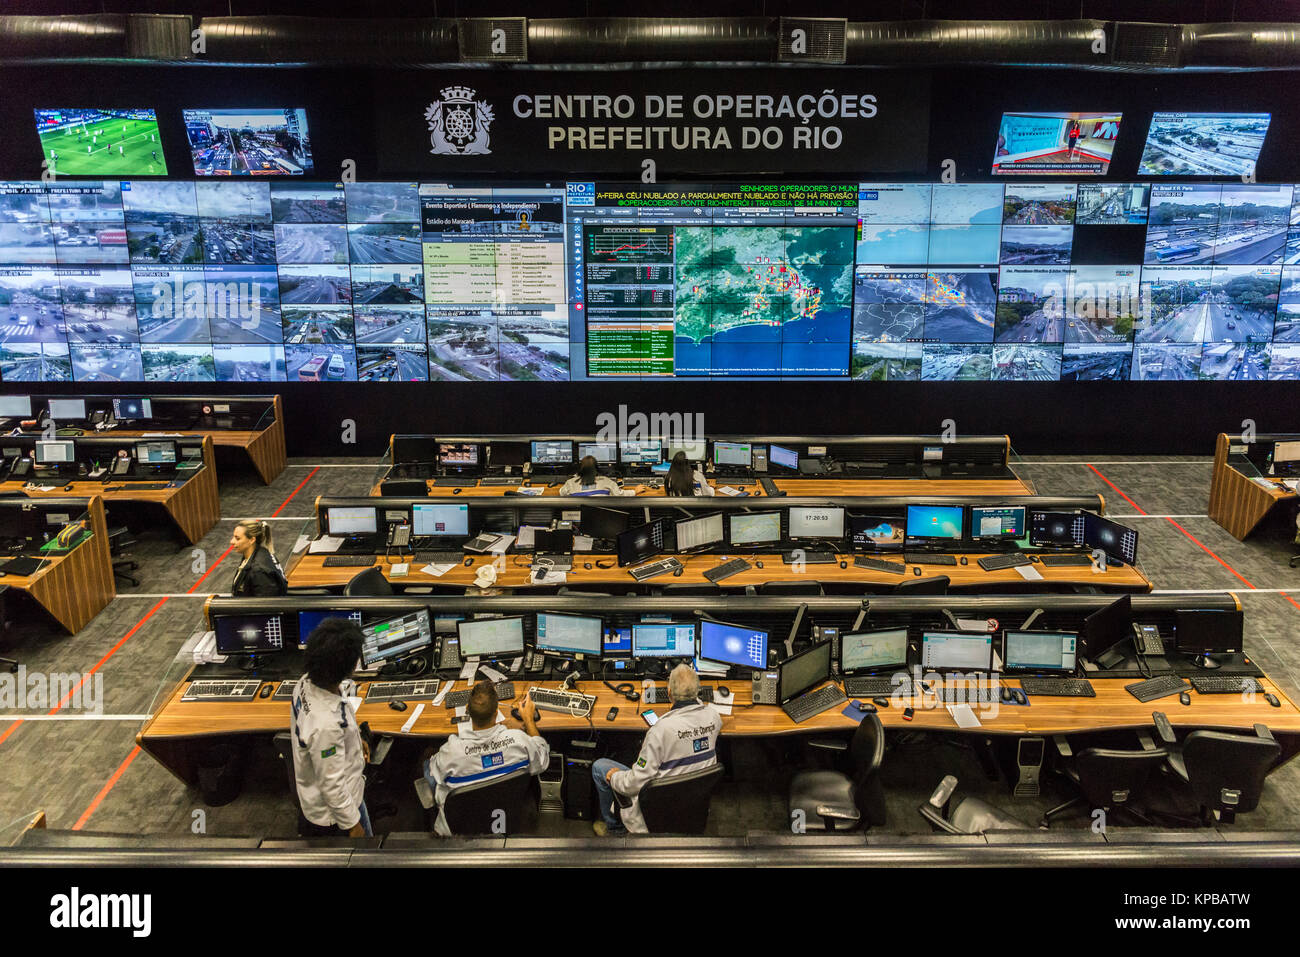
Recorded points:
578,789
552,785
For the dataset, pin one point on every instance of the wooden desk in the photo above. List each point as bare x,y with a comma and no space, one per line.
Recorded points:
75,587
1238,502
310,572
171,735
829,488
193,507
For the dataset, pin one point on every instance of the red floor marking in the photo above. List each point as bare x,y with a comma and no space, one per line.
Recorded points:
1116,488
103,792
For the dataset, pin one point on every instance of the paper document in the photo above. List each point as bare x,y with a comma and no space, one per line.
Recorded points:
400,570
302,542
525,536
468,670
552,577
324,544
491,673
582,543
963,715
437,571
442,693
728,490
1029,573
415,716
530,490
723,704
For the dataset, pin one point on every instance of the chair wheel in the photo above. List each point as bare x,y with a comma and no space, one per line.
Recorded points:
1044,825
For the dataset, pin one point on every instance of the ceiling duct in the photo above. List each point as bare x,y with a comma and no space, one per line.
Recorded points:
77,37
653,39
316,40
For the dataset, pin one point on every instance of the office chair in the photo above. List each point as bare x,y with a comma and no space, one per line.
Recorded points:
934,585
404,488
827,797
1107,778
123,564
791,588
1224,772
369,582
679,804
701,589
473,809
968,816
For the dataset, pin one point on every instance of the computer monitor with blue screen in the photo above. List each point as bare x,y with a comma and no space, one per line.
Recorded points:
309,620
15,406
618,643
67,410
931,524
877,532
396,638
1039,651
605,453
491,637
786,458
439,520
569,634
663,640
868,651
997,523
640,453
128,410
738,454
738,645
552,452
957,651
754,528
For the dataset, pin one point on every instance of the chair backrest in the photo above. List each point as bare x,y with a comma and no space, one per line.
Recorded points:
791,588
404,488
707,589
933,585
284,747
679,804
369,582
1226,771
1109,777
867,748
472,808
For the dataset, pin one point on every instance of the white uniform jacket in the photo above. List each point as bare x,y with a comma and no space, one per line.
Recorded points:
684,740
327,759
470,756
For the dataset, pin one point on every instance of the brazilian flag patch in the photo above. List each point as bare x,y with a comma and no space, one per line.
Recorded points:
640,762
329,752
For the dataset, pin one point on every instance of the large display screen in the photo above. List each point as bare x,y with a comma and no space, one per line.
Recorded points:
249,142
96,142
243,279
1055,144
1203,144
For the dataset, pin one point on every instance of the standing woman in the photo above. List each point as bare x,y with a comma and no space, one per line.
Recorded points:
259,575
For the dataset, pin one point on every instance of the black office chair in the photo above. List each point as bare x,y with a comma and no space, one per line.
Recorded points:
791,588
118,541
404,488
679,804
829,800
369,582
473,809
1107,778
703,589
934,585
969,815
1224,772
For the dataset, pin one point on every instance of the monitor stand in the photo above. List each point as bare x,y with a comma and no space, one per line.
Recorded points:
1205,662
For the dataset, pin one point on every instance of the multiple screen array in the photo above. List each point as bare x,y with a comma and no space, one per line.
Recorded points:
246,280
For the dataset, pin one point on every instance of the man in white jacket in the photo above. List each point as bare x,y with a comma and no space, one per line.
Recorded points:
329,758
682,741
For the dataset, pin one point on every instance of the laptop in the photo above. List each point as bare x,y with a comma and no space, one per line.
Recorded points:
870,660
801,684
553,548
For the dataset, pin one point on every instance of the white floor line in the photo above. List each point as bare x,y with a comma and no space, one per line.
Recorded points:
1116,462
183,594
324,465
1136,515
10,716
1219,591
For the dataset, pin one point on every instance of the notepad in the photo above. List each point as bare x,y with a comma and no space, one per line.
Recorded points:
963,715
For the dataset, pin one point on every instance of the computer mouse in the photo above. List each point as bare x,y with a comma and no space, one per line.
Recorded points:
881,702
397,705
1018,696
455,491
1006,693
677,572
963,561
1034,559
916,570
758,564
265,692
67,488
587,565
469,560
1272,699
724,691
865,707
1184,698
844,564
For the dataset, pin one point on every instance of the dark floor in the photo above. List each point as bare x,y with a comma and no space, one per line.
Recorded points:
89,774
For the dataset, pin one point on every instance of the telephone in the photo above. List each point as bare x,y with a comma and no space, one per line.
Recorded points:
21,466
449,653
1146,639
827,633
399,535
760,459
121,466
764,689
534,661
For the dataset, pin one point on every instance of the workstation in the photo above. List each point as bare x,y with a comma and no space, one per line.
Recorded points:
1254,476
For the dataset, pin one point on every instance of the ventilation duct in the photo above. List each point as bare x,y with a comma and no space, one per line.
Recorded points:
651,39
314,40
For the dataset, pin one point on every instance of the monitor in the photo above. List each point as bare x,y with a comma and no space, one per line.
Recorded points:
396,638
1286,451
957,650
436,520
618,643
642,542
309,620
569,634
553,540
733,453
552,452
414,449
56,452
997,523
1107,627
96,141
1208,631
816,521
458,454
605,453
128,410
636,453
1039,651
600,522
491,637
1203,144
803,671
932,453
1059,529
934,523
156,452
502,453
1119,542
697,533
694,450
341,521
248,634
1051,144
244,141
15,406
737,645
786,458
68,410
873,650
877,531
663,640
754,528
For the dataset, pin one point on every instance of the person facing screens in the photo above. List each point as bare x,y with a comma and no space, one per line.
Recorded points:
589,479
259,574
485,750
684,478
682,741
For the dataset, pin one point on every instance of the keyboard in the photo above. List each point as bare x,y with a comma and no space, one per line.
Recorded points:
928,558
458,482
770,489
810,557
566,702
814,703
1055,561
1226,684
1160,686
216,690
285,690
969,694
1058,687
662,567
991,563
727,569
505,480
658,695
876,686
425,689
879,565
440,558
148,486
349,561
458,699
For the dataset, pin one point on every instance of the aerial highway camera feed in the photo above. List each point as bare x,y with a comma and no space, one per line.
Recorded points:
1229,361
1285,362
1086,362
249,142
1286,327
311,243
463,344
31,307
956,363
171,303
1031,304
1036,244
1174,304
317,283
534,343
1156,363
87,222
107,363
1121,204
743,292
1203,144
336,363
404,362
960,305
98,304
1253,224
886,361
385,242
888,306
1055,144
310,325
308,203
1026,363
236,221
378,324
1183,224
162,222
35,362
1039,205
26,243
243,303
382,202
94,142
1102,303
247,363
177,363
394,284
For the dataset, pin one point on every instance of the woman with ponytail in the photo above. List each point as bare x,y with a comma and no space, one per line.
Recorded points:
259,575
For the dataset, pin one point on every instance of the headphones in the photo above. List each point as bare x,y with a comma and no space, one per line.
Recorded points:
627,689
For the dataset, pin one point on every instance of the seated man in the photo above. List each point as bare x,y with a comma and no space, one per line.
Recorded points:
684,740
484,750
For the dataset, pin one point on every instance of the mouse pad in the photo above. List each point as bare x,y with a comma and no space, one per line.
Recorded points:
851,711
